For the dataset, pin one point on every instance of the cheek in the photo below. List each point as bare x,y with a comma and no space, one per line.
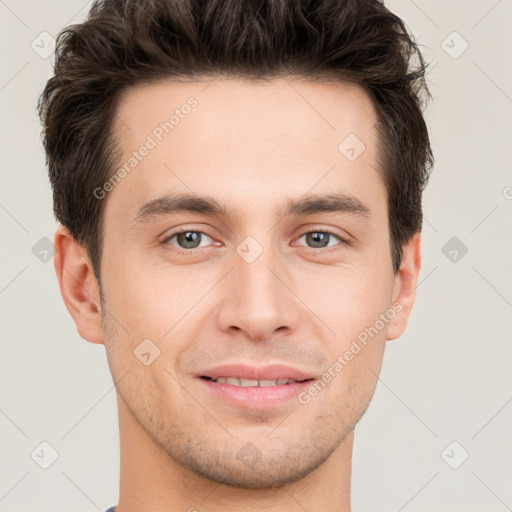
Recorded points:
351,304
353,386
148,300
348,300
353,310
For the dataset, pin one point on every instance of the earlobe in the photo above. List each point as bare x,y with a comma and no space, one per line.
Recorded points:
78,285
406,281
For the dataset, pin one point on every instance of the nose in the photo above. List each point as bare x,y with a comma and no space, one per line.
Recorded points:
258,299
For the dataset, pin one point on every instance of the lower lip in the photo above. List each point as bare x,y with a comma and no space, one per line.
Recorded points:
255,397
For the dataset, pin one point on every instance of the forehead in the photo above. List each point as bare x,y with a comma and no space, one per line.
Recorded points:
245,139
266,108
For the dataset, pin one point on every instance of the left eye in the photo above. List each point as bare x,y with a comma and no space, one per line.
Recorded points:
188,239
320,239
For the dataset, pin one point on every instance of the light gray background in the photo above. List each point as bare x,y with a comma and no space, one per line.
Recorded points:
447,379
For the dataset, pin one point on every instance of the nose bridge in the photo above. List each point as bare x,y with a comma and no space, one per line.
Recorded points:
257,301
258,285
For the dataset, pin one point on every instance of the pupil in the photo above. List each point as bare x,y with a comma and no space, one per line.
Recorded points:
189,239
317,237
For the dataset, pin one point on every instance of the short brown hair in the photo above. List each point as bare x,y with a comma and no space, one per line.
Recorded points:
124,43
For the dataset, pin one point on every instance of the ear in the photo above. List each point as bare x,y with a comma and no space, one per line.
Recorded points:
404,289
78,285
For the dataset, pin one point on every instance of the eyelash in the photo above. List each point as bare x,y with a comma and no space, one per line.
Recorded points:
195,250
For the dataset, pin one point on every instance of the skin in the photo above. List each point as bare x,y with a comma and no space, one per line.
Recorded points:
252,146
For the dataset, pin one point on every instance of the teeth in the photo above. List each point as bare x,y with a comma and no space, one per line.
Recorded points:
248,382
265,383
253,382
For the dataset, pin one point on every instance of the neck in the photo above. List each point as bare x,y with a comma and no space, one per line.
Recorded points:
152,481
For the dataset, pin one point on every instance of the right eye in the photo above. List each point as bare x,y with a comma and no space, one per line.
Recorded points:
186,239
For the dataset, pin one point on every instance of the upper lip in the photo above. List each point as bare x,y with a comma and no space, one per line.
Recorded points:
270,372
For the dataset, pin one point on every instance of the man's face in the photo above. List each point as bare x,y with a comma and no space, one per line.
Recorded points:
255,287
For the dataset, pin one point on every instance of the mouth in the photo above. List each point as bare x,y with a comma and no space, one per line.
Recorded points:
245,386
254,394
248,383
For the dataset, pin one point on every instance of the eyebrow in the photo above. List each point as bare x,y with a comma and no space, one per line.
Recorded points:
307,205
